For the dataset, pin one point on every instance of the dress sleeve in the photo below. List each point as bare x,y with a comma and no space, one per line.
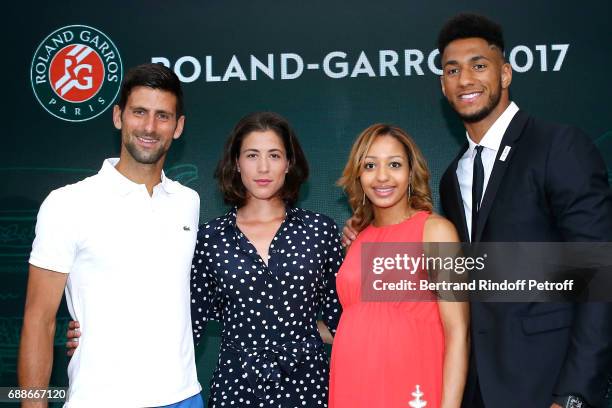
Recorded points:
328,297
205,303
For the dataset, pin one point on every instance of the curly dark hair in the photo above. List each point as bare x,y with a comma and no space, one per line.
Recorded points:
230,183
468,25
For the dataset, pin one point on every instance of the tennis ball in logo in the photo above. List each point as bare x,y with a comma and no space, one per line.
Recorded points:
76,73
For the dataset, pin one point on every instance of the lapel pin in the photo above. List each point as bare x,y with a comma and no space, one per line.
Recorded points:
504,154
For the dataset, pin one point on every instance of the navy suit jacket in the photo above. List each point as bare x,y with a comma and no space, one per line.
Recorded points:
552,187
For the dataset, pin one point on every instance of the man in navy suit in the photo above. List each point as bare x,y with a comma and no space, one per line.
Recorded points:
520,179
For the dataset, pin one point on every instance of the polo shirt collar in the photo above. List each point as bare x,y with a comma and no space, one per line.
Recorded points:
169,186
123,186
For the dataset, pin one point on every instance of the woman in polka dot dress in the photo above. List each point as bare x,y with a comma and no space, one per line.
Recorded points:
391,353
266,270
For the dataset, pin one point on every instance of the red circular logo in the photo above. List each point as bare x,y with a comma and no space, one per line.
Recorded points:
76,73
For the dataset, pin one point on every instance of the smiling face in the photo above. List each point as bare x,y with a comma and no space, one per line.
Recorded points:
475,80
148,124
262,164
385,175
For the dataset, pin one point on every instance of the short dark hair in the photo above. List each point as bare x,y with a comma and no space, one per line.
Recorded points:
468,25
155,76
227,174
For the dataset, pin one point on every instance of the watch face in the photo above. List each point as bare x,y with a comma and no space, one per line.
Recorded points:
575,402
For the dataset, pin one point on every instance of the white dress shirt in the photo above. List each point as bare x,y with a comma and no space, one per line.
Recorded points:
490,142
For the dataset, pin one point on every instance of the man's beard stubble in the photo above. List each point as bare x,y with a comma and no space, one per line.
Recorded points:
144,157
493,101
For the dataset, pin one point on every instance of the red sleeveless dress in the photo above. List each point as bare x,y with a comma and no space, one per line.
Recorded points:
385,354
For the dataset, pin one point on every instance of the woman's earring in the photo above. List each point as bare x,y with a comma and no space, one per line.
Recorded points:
363,201
409,187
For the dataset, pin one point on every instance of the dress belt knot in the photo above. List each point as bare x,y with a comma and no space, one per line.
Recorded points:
264,366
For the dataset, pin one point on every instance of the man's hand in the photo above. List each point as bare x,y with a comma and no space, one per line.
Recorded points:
324,332
349,232
72,337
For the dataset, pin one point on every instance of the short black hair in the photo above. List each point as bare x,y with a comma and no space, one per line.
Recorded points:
467,25
155,76
230,182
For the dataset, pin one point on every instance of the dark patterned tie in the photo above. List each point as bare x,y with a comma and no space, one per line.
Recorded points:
477,186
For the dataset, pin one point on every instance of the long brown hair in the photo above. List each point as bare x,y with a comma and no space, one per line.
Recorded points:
420,196
227,174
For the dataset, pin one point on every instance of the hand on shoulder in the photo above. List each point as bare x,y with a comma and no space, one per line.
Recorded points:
350,231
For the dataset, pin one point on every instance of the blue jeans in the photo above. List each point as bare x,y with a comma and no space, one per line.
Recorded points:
191,402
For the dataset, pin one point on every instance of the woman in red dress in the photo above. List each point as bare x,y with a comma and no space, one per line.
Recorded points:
390,354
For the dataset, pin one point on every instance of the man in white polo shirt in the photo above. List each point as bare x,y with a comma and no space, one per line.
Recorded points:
121,244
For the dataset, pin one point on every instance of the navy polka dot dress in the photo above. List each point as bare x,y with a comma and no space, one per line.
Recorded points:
271,352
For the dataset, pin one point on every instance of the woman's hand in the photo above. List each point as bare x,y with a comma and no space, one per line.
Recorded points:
72,337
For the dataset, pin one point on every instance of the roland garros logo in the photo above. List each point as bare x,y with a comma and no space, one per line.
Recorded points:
76,73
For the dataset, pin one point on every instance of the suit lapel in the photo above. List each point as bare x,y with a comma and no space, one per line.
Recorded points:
513,133
455,208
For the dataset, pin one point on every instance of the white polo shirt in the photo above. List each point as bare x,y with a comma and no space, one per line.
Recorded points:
128,256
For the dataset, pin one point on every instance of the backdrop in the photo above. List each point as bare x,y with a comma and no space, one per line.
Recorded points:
331,67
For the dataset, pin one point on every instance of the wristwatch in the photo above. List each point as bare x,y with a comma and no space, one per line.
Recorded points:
571,401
